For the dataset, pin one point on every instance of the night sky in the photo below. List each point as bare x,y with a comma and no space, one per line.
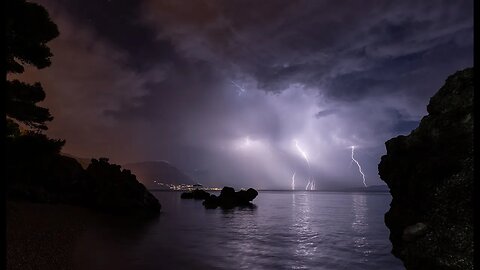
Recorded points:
221,89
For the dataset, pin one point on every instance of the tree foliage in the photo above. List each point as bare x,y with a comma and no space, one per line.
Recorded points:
28,29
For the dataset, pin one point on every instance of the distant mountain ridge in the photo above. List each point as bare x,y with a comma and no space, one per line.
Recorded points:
148,171
160,171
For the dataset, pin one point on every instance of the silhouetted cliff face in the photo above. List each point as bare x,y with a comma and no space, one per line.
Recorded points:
112,189
430,176
35,171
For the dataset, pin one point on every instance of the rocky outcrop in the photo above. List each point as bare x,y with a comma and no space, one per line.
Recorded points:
109,188
228,198
430,176
36,172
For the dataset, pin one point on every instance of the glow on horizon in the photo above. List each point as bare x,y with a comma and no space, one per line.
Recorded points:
248,144
247,141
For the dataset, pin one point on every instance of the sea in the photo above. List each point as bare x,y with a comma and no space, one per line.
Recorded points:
284,230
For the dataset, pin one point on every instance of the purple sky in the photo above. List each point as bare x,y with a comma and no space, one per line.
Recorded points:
221,89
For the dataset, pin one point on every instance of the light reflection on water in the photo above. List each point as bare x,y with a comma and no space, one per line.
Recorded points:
286,230
360,225
304,236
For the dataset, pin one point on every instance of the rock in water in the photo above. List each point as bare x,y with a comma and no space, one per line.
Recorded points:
430,176
229,198
212,202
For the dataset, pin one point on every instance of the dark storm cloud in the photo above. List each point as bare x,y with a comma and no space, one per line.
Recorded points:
222,88
402,124
324,113
119,23
353,48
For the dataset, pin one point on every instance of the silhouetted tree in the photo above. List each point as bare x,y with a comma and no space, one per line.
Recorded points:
28,29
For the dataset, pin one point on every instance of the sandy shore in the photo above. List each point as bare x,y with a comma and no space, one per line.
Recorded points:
43,236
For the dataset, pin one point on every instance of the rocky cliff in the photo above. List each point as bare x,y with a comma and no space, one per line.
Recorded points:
35,171
430,176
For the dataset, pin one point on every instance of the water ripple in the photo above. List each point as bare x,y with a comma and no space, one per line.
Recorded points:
298,230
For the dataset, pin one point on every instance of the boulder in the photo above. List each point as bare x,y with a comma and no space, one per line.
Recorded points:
197,194
229,198
212,202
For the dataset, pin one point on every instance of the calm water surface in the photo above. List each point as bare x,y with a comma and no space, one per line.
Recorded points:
286,230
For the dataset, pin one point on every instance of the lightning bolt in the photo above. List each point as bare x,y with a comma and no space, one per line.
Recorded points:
311,183
293,181
359,167
304,155
242,90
